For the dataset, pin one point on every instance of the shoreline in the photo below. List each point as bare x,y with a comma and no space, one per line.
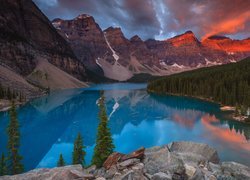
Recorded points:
223,108
5,105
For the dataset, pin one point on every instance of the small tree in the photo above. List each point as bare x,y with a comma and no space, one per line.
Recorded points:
61,161
3,167
78,152
14,159
104,142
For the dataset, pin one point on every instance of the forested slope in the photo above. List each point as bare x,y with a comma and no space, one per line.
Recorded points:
228,84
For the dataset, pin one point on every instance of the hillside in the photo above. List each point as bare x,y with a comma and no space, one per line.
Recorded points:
26,37
228,84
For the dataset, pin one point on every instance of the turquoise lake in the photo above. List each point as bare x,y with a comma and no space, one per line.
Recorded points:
50,124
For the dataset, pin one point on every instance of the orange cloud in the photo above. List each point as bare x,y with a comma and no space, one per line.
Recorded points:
229,26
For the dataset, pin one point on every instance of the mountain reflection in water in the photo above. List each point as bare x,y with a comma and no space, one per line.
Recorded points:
50,124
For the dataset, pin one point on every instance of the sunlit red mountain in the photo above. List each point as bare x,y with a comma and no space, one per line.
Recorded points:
120,58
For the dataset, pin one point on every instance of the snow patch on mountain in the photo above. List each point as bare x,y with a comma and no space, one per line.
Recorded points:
116,57
178,66
97,62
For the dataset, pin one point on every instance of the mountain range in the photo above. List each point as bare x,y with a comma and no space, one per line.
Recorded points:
121,58
38,54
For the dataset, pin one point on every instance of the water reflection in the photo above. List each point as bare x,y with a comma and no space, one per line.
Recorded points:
50,124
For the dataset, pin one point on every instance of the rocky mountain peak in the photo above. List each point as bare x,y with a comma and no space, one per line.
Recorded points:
136,38
184,39
115,36
116,31
83,16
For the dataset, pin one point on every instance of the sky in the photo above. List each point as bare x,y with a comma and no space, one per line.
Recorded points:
159,19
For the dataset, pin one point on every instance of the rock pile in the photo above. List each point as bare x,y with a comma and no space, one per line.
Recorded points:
177,161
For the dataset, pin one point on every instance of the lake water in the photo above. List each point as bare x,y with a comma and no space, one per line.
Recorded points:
50,124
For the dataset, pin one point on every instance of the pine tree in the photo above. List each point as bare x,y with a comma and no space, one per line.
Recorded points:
61,161
14,159
3,167
78,153
104,143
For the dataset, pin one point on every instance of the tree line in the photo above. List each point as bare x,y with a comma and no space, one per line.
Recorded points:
11,94
227,84
103,148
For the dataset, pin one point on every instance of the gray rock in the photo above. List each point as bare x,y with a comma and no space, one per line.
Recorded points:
212,177
61,173
133,175
128,163
236,170
198,175
190,151
111,172
90,170
177,161
190,170
161,176
161,160
100,178
100,172
138,166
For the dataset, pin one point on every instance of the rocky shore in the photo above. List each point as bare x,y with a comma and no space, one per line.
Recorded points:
177,161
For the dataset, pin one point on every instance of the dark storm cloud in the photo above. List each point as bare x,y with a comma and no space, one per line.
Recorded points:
159,18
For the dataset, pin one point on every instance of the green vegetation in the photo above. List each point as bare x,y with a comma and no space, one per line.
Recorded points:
227,84
61,161
78,152
142,78
14,159
104,143
7,93
3,167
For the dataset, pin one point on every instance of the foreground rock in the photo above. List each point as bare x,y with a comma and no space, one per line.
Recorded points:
177,160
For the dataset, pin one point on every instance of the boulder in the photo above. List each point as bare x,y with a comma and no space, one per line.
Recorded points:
111,172
159,159
236,170
194,152
128,163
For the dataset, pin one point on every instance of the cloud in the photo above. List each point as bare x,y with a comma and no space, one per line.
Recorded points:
221,17
159,18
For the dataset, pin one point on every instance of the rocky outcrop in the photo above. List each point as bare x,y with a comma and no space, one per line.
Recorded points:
177,161
85,38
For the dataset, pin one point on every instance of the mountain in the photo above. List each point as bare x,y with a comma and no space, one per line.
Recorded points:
32,51
111,54
227,84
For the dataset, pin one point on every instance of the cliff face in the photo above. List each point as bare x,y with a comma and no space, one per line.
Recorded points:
85,37
111,51
27,36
